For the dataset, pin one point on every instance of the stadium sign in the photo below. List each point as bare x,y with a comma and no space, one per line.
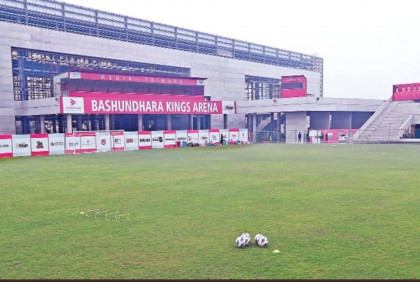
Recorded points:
112,104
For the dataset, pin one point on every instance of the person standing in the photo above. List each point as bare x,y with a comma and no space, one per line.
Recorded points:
299,137
221,139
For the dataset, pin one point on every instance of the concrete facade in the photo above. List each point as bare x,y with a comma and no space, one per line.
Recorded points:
226,76
225,81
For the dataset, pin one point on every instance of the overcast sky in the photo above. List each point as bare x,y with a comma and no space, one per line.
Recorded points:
367,45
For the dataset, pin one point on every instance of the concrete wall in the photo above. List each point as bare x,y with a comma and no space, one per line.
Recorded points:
296,122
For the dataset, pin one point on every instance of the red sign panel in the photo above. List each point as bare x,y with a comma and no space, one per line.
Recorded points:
136,104
410,91
293,86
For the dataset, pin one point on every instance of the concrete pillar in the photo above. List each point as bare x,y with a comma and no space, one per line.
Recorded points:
278,127
296,122
112,122
106,122
92,119
225,121
42,123
190,122
140,122
254,128
79,122
168,122
69,124
198,122
61,124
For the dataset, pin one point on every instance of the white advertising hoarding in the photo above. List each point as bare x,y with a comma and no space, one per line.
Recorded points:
157,139
103,141
56,142
243,135
181,136
131,141
203,137
21,145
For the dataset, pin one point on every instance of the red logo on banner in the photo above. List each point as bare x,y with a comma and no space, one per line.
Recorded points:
72,102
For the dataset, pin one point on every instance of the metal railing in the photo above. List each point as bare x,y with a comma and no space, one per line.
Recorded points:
77,19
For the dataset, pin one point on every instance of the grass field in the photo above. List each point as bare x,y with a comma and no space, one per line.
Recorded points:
344,212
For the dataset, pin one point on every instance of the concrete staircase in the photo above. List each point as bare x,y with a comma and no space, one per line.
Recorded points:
389,122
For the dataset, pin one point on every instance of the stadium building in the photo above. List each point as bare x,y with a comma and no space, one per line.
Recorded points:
67,68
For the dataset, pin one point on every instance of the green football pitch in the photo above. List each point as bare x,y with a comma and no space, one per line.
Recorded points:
333,212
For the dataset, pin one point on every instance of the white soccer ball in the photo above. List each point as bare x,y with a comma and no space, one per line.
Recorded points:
247,238
240,242
261,240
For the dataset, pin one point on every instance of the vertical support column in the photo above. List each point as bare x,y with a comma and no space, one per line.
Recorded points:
190,122
140,122
69,124
61,124
112,122
107,122
278,127
225,122
254,128
79,122
92,119
168,122
198,122
42,123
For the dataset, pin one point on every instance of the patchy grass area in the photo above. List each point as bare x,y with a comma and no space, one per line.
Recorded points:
344,212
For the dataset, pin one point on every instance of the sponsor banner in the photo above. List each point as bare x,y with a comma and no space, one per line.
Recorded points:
169,138
409,91
131,141
181,136
21,145
214,136
72,143
39,145
203,137
229,107
72,105
135,78
118,140
233,135
87,142
103,141
157,139
56,143
332,135
6,149
225,133
145,140
243,135
192,136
